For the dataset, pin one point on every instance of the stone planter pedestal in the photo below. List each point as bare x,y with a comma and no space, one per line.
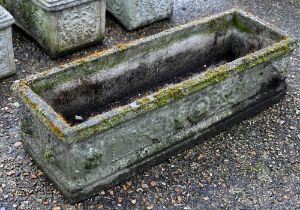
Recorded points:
60,26
97,121
137,13
7,62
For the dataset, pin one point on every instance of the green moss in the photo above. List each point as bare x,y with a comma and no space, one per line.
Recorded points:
48,154
220,24
253,59
239,25
122,47
93,161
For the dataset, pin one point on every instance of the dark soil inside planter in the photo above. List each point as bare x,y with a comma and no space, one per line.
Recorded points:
91,95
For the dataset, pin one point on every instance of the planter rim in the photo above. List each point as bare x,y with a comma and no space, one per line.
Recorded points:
56,5
6,19
102,122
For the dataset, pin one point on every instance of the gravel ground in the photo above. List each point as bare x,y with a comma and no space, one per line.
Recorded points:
254,165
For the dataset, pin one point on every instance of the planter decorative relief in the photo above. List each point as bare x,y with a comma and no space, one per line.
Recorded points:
60,26
137,13
7,62
99,120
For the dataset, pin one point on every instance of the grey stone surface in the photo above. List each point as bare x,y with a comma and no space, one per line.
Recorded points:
60,26
7,62
84,158
137,13
220,173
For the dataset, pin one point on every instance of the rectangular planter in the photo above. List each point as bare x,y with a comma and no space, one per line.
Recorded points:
7,61
60,26
137,13
99,120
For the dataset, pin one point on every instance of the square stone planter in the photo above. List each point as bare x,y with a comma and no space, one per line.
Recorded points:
7,62
60,26
99,120
137,13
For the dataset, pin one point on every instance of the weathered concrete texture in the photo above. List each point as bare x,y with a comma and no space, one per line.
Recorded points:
60,26
7,62
137,13
104,149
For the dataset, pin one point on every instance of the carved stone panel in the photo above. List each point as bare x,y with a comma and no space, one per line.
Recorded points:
78,25
151,9
60,26
4,56
116,6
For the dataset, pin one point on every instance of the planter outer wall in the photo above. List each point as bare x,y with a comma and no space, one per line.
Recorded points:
7,62
137,13
60,27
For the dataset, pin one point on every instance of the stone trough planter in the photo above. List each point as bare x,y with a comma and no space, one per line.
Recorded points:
137,13
7,62
60,26
101,119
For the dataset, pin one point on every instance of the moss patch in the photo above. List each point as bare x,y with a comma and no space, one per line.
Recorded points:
48,154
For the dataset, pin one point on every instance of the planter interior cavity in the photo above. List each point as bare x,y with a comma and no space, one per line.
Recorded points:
94,94
97,120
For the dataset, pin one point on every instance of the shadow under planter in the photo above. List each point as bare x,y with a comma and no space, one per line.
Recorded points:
60,26
137,13
7,61
99,120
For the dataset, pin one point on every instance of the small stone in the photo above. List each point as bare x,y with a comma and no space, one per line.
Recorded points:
206,198
111,192
133,201
252,153
177,189
57,208
10,173
153,184
179,198
45,202
18,144
16,104
33,176
201,156
145,186
78,118
150,207
124,187
40,173
120,199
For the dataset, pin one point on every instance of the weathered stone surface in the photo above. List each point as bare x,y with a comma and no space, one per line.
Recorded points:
164,116
137,13
7,62
60,26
